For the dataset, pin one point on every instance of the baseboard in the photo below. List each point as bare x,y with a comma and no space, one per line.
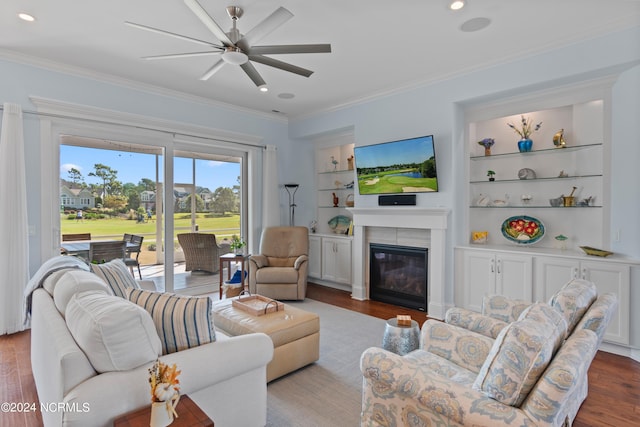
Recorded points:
328,284
620,350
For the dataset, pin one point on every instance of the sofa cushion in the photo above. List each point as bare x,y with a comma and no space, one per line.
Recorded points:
573,300
519,356
543,312
49,284
116,274
503,308
277,275
181,321
115,334
74,281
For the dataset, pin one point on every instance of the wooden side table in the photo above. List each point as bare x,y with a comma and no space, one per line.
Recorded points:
228,259
189,415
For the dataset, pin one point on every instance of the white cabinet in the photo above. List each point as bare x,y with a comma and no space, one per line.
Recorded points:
488,272
553,272
330,258
336,260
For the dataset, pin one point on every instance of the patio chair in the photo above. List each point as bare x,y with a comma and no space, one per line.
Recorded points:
101,252
201,252
76,236
134,247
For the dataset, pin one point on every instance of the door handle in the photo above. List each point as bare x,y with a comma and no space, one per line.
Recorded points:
493,266
499,263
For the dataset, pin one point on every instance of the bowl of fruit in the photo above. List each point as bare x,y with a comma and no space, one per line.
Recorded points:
523,230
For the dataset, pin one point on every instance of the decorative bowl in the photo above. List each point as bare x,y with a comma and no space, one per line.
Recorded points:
522,229
339,224
595,252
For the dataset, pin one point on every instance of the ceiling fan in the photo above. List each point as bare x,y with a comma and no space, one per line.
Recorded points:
240,49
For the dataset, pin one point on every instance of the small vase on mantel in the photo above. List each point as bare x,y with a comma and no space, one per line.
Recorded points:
525,145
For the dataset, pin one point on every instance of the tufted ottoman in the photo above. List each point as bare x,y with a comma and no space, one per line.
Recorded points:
295,334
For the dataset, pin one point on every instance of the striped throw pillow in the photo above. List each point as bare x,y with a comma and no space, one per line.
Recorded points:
181,321
117,276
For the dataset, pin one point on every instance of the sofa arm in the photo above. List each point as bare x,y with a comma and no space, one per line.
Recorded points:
109,394
298,262
475,322
396,390
458,345
503,308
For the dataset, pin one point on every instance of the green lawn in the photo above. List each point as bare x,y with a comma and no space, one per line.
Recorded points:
221,226
387,182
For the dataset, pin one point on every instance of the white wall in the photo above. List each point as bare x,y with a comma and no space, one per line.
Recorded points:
438,109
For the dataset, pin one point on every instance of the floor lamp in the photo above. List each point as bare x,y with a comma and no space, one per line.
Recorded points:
292,204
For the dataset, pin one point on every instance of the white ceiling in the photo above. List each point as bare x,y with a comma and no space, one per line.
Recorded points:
378,46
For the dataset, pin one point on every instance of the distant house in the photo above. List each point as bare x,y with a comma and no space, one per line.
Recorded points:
148,200
76,198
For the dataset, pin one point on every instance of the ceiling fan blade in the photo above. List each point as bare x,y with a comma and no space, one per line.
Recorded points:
214,69
167,33
290,48
280,65
253,74
179,55
208,21
270,23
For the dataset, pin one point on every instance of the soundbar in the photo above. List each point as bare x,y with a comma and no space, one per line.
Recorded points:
397,200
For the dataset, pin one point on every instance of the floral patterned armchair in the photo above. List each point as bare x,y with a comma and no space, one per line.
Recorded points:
533,373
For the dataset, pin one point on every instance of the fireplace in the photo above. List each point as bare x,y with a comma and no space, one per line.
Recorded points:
398,275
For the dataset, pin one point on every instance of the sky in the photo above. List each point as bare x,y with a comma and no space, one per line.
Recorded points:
399,152
132,167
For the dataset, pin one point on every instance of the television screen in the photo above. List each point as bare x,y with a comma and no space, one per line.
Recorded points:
405,166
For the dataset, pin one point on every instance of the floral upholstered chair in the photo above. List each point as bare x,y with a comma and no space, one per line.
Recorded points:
533,373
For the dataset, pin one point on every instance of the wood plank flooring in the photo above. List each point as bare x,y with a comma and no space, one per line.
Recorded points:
614,381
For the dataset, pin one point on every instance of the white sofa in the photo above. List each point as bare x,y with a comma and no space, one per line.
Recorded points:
226,378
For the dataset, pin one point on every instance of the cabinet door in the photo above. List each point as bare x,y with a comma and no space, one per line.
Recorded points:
315,257
479,278
551,274
514,276
343,261
614,278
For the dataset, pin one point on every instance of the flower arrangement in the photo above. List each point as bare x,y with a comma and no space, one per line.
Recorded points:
525,131
237,243
164,381
487,142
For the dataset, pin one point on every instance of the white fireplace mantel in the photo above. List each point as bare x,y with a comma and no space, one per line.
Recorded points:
433,219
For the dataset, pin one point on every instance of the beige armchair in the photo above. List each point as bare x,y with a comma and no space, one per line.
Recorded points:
280,270
201,252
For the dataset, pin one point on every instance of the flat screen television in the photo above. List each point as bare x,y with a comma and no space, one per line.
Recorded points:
403,166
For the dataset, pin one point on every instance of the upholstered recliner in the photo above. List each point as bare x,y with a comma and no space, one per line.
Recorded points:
533,373
280,270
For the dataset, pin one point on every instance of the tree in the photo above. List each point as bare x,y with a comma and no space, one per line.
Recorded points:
223,200
106,173
115,202
76,177
147,184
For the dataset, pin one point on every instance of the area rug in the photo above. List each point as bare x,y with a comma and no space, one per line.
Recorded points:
328,392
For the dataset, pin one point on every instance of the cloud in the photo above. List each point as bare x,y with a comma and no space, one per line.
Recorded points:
65,168
215,163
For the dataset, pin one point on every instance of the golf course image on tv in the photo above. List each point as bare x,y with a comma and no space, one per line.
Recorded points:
403,166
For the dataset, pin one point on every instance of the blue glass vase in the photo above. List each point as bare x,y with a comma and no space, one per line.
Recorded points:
525,145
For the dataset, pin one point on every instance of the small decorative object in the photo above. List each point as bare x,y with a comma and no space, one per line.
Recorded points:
562,239
313,226
337,183
339,224
556,202
349,202
585,202
524,230
525,131
490,174
570,200
479,237
563,174
595,252
487,143
558,139
404,320
483,200
237,244
165,393
349,185
335,200
526,198
526,173
335,163
350,162
501,202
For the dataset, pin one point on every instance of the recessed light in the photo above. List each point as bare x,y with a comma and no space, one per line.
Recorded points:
456,4
286,95
26,17
475,24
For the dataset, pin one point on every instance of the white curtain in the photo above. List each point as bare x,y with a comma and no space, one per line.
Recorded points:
270,193
14,251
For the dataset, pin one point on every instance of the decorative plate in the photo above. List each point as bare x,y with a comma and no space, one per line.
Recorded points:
595,252
522,229
339,224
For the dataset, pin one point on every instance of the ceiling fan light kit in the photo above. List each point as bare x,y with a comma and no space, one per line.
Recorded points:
238,49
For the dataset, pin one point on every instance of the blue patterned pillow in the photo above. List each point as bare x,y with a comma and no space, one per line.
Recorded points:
116,274
181,321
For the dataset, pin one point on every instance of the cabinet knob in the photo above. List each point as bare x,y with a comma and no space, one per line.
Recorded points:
493,266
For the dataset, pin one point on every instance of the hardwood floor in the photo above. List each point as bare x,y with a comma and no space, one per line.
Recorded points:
614,381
